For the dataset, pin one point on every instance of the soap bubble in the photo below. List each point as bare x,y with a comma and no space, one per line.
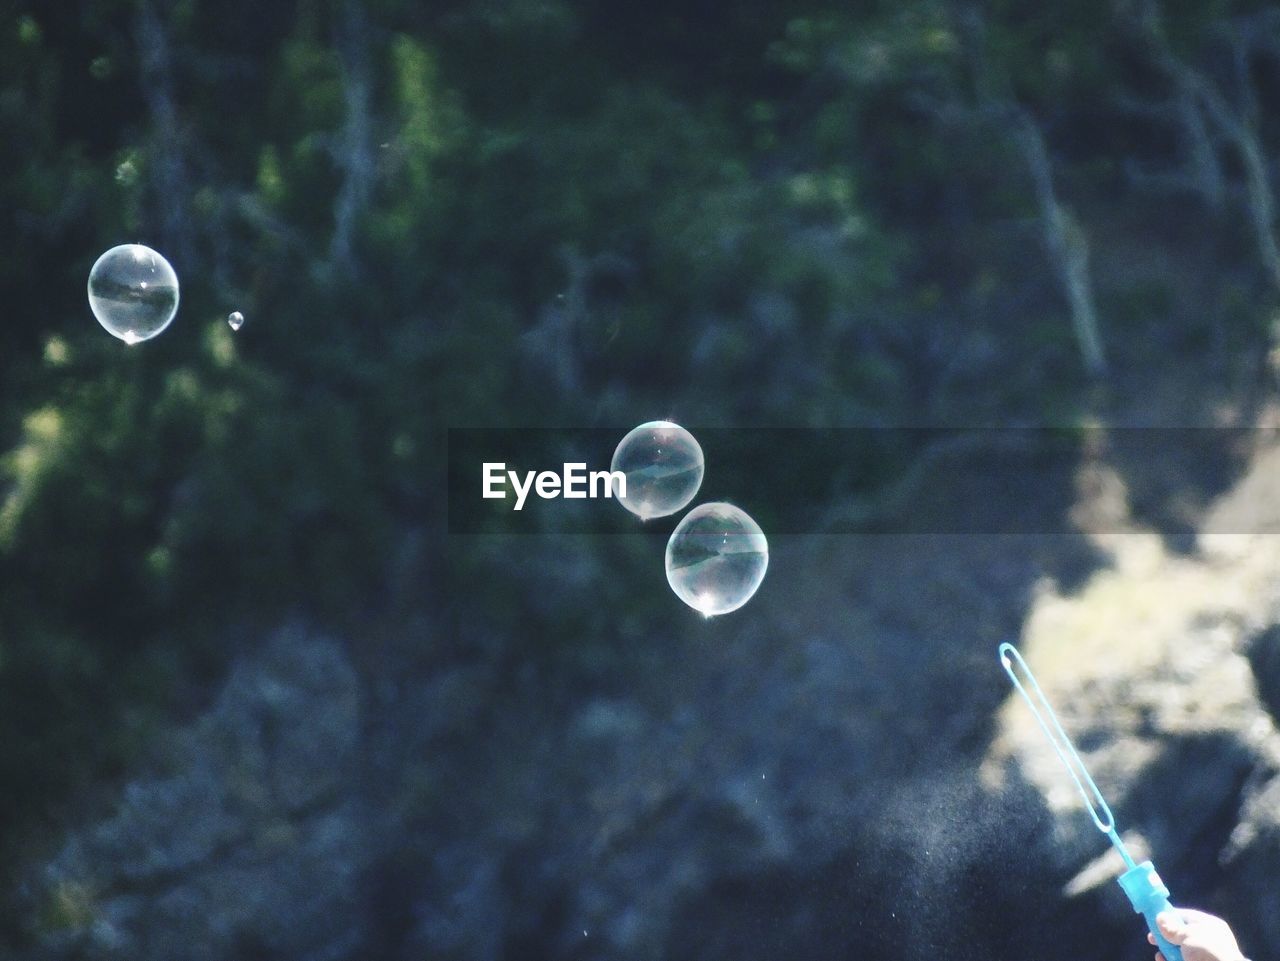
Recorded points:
133,292
235,319
663,466
716,558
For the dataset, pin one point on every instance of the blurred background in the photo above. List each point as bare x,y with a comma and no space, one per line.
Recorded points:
257,701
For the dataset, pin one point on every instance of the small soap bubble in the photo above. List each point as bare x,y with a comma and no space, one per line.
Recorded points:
235,319
133,292
716,558
663,465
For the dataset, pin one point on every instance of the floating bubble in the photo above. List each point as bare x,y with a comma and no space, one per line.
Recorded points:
716,558
235,319
133,292
663,465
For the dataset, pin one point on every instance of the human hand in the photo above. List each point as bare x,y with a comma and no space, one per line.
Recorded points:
1201,936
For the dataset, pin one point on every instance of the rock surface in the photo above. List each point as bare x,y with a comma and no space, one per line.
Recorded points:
247,839
1164,667
844,777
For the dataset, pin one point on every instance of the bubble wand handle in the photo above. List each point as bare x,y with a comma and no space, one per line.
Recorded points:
1145,890
1150,897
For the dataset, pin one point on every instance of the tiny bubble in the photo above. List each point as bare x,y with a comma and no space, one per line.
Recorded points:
235,319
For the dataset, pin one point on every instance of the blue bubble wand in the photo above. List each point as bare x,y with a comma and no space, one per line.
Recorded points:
1145,890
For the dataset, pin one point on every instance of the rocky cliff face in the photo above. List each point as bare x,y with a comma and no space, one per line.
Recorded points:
1164,667
247,838
841,772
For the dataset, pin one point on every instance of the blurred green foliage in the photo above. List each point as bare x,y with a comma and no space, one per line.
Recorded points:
735,214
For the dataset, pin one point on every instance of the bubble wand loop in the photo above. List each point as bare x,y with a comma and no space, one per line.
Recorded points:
1145,890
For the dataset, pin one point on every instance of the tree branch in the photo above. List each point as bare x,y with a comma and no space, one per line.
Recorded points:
169,179
1066,243
1065,240
354,153
1235,123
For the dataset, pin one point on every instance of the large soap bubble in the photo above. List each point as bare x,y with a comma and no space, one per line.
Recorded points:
663,465
133,292
716,558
